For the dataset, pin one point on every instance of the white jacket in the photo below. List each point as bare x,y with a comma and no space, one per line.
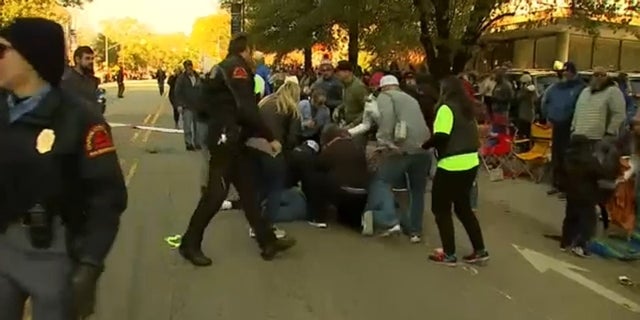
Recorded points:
370,116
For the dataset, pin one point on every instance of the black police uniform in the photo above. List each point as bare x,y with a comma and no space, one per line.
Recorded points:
228,104
61,196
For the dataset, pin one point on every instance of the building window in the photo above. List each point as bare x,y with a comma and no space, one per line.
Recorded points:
629,59
545,52
580,51
606,53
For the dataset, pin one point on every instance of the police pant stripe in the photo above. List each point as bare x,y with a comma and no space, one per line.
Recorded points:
42,274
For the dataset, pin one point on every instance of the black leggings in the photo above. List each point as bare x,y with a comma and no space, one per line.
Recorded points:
231,164
452,188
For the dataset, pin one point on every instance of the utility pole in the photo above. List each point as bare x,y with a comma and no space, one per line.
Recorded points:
237,17
106,50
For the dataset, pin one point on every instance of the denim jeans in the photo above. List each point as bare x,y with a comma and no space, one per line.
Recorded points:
381,202
189,127
416,168
292,207
272,175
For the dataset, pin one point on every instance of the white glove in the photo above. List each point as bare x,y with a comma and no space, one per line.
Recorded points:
628,174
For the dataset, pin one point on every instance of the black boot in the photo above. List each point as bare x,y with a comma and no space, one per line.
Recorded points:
194,254
280,245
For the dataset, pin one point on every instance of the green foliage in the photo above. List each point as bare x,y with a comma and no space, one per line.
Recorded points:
132,44
210,35
100,44
283,25
447,30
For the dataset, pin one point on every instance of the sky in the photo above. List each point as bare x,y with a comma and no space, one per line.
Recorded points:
163,16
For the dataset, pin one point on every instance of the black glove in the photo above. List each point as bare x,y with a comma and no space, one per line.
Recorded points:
84,283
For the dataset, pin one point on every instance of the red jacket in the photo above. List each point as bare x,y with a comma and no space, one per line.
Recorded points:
468,87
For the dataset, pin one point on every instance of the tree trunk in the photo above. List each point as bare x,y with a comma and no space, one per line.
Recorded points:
460,59
439,62
354,47
308,58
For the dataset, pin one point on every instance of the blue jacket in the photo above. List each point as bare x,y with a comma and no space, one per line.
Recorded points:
559,101
265,73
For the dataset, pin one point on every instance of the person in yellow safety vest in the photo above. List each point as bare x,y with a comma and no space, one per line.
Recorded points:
455,138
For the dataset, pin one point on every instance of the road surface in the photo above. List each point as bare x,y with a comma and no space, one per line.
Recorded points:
334,274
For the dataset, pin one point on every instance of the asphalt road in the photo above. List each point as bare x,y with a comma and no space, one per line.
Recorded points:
332,274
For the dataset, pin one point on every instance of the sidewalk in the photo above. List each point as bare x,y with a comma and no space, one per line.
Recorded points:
529,199
524,197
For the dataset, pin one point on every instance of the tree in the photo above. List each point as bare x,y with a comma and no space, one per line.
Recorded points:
100,44
449,30
137,48
285,25
11,9
210,35
281,26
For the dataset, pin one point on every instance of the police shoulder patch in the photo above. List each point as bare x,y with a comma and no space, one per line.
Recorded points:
240,73
98,141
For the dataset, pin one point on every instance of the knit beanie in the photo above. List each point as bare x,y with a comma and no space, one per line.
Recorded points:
41,43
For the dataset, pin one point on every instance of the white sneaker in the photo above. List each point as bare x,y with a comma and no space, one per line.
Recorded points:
393,231
278,233
226,205
367,223
415,239
321,225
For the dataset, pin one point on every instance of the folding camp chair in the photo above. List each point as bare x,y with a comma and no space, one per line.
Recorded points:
496,155
538,153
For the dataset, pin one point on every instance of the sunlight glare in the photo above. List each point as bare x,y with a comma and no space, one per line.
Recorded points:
163,16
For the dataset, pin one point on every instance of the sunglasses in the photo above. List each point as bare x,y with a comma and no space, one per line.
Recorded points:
3,49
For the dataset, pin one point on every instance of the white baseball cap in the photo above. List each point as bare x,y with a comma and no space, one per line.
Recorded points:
389,80
313,145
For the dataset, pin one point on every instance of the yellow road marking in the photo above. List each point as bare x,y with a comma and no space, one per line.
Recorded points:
150,120
131,172
145,122
147,134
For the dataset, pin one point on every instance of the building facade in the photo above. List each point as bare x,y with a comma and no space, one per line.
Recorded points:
513,40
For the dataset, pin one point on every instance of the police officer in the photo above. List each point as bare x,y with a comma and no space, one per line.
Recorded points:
228,103
61,188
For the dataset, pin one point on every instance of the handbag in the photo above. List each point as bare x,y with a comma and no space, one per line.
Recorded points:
400,128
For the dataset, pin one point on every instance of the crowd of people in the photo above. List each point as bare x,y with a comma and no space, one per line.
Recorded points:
357,149
362,146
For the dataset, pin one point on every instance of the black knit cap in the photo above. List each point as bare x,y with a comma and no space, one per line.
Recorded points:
344,65
41,43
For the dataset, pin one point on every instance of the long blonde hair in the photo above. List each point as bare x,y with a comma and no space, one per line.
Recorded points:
286,99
